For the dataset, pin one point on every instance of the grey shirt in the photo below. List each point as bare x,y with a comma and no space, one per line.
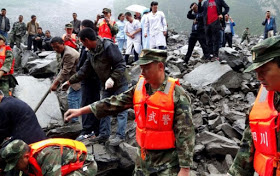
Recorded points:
2,28
227,29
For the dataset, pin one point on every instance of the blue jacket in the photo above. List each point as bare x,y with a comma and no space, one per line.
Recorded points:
270,26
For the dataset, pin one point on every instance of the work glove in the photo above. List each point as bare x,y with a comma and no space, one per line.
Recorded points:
109,83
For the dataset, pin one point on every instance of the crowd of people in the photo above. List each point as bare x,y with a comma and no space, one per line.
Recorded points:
93,57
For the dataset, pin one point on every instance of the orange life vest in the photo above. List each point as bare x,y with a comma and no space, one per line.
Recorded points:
3,57
68,43
104,31
154,129
77,146
264,124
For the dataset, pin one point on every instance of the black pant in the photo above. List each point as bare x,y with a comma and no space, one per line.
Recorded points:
135,57
212,32
228,39
200,37
90,94
37,44
29,41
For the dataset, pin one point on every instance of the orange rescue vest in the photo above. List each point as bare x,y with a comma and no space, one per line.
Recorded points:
68,43
3,57
154,116
264,124
77,146
104,31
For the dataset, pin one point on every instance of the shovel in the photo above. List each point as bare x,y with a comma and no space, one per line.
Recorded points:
42,100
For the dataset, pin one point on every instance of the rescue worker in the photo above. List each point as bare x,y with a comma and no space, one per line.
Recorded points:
107,28
51,157
69,38
7,62
164,132
18,31
259,148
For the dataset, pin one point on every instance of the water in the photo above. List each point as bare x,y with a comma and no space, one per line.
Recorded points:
54,14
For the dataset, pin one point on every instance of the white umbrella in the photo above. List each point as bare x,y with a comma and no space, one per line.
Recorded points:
136,8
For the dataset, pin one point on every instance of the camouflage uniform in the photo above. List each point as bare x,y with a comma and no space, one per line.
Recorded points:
245,36
18,31
158,162
7,81
49,159
243,164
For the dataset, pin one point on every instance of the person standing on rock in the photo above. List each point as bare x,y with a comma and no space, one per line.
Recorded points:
133,31
105,59
229,30
213,14
245,36
51,157
198,33
32,30
4,23
70,39
156,26
69,61
90,93
7,62
76,24
270,26
18,31
259,148
165,132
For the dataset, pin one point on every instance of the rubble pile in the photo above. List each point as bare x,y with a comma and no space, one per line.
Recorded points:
221,97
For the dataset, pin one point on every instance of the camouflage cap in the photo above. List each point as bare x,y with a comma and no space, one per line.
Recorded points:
12,152
264,52
68,25
106,10
150,55
2,38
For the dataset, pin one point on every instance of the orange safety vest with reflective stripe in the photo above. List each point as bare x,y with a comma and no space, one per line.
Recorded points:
77,146
68,43
264,125
154,116
104,31
3,57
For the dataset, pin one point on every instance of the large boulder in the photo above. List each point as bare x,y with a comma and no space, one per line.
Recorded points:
215,74
27,56
42,68
31,90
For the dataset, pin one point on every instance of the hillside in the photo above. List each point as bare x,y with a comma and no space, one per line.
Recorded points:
245,13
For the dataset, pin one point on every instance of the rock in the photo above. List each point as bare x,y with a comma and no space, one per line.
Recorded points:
45,53
239,126
129,151
236,115
224,90
228,161
69,131
198,148
42,68
212,169
205,99
214,148
31,90
215,74
17,54
245,88
103,155
27,56
225,109
212,115
207,137
134,74
216,98
250,98
197,120
231,133
214,123
173,70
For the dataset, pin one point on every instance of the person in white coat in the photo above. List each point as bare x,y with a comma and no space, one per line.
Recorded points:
133,32
121,36
157,27
145,40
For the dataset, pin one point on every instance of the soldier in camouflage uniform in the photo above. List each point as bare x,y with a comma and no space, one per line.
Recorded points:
245,36
266,62
50,160
7,80
168,162
18,31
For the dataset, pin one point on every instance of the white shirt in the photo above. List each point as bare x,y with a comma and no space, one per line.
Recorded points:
155,23
132,27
